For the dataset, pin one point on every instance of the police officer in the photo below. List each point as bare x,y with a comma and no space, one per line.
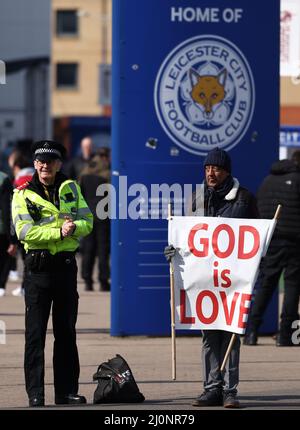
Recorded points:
50,215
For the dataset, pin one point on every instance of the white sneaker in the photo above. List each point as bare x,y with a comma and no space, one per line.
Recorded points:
2,292
18,292
13,276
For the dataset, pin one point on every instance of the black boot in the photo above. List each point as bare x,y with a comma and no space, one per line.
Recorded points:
284,340
104,285
209,398
250,338
70,399
88,286
36,401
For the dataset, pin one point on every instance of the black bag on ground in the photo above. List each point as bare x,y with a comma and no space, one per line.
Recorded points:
116,383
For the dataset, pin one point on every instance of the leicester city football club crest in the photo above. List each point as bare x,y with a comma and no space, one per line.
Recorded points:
204,94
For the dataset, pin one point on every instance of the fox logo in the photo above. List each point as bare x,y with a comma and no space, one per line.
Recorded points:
208,90
204,94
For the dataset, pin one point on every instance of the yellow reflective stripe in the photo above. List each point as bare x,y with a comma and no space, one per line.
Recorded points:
83,211
73,187
84,218
22,217
46,220
24,231
65,214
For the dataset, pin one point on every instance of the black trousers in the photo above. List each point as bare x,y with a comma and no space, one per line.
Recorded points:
5,260
283,256
96,244
56,285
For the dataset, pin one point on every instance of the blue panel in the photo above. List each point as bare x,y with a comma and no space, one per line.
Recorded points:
270,321
290,136
187,77
97,127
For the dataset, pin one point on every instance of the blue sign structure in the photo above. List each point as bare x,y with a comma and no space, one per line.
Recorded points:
290,136
188,76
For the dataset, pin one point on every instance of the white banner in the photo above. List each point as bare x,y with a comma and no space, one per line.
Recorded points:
290,38
215,269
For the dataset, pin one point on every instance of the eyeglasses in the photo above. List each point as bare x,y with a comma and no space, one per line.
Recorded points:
40,163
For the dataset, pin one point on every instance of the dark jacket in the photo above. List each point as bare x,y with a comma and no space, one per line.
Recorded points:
74,168
89,185
6,190
238,203
282,186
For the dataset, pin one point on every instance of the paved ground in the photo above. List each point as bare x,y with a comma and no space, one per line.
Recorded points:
269,375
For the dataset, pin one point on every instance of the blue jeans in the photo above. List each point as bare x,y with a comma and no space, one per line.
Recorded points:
215,343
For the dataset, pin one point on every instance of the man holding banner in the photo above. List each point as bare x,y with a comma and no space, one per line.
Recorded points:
215,264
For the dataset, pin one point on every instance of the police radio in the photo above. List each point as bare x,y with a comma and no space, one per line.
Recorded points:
33,210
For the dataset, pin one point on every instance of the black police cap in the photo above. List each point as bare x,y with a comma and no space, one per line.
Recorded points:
45,150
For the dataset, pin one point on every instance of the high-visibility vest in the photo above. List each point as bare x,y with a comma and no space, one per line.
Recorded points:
41,228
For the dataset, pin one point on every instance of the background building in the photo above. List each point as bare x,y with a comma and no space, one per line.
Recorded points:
24,98
81,71
74,37
290,77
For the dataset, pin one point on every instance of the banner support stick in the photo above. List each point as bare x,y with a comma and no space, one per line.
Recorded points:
276,216
173,335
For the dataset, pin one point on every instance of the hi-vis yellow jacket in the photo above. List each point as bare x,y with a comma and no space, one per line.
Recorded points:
44,233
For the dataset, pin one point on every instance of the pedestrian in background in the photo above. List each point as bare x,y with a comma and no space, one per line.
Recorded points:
50,216
21,167
281,186
22,170
8,242
97,243
75,166
223,197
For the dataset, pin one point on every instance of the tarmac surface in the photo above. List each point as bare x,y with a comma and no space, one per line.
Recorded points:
269,375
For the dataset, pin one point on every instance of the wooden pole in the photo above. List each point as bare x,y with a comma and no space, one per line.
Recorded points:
276,216
277,213
173,335
230,346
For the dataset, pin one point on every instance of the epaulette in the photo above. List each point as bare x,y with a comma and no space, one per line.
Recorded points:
23,186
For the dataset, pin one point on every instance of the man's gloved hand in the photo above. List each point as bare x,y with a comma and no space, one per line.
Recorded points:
169,252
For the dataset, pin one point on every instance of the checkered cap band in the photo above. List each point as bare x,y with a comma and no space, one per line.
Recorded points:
47,151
